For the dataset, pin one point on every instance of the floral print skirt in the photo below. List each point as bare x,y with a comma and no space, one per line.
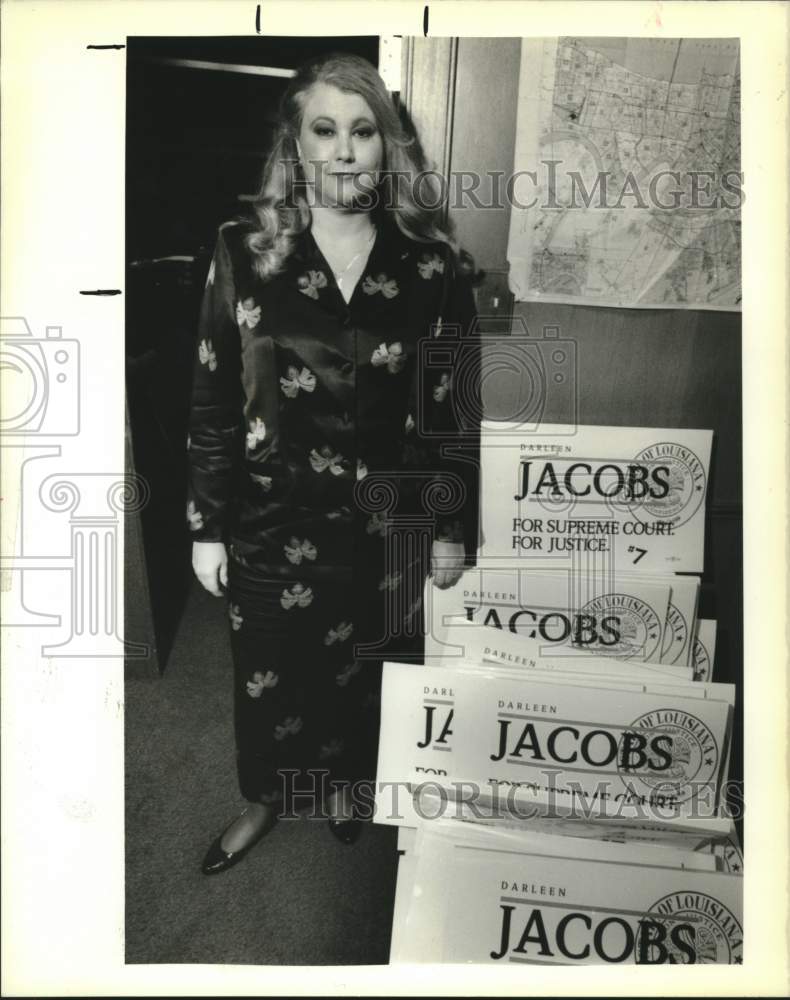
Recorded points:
306,692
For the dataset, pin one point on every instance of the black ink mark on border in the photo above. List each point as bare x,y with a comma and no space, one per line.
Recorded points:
102,291
258,19
105,46
425,21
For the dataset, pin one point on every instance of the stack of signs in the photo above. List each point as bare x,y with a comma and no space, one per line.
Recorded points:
633,760
606,773
578,615
471,894
624,506
564,738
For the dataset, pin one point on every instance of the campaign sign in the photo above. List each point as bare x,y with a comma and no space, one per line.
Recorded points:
417,917
501,907
572,615
617,497
619,754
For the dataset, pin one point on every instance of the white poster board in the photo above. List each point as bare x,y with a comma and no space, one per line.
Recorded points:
606,499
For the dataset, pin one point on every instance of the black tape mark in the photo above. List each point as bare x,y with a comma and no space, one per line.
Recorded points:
102,291
105,46
258,19
425,21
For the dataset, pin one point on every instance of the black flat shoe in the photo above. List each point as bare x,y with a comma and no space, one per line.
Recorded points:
347,831
219,860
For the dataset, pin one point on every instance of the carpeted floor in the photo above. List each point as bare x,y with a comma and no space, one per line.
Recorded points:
298,898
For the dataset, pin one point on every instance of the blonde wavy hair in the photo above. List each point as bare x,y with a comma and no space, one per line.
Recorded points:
281,211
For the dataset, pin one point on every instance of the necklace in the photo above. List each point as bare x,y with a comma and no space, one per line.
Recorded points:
341,274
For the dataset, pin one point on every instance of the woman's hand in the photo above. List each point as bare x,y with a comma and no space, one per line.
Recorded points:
210,563
447,563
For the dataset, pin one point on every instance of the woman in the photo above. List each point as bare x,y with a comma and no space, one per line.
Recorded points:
308,382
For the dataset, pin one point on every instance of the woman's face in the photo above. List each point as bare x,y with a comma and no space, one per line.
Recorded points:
340,146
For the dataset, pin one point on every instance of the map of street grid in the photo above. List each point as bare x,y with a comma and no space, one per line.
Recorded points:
630,110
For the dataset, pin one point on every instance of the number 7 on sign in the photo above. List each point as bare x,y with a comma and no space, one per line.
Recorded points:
635,548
